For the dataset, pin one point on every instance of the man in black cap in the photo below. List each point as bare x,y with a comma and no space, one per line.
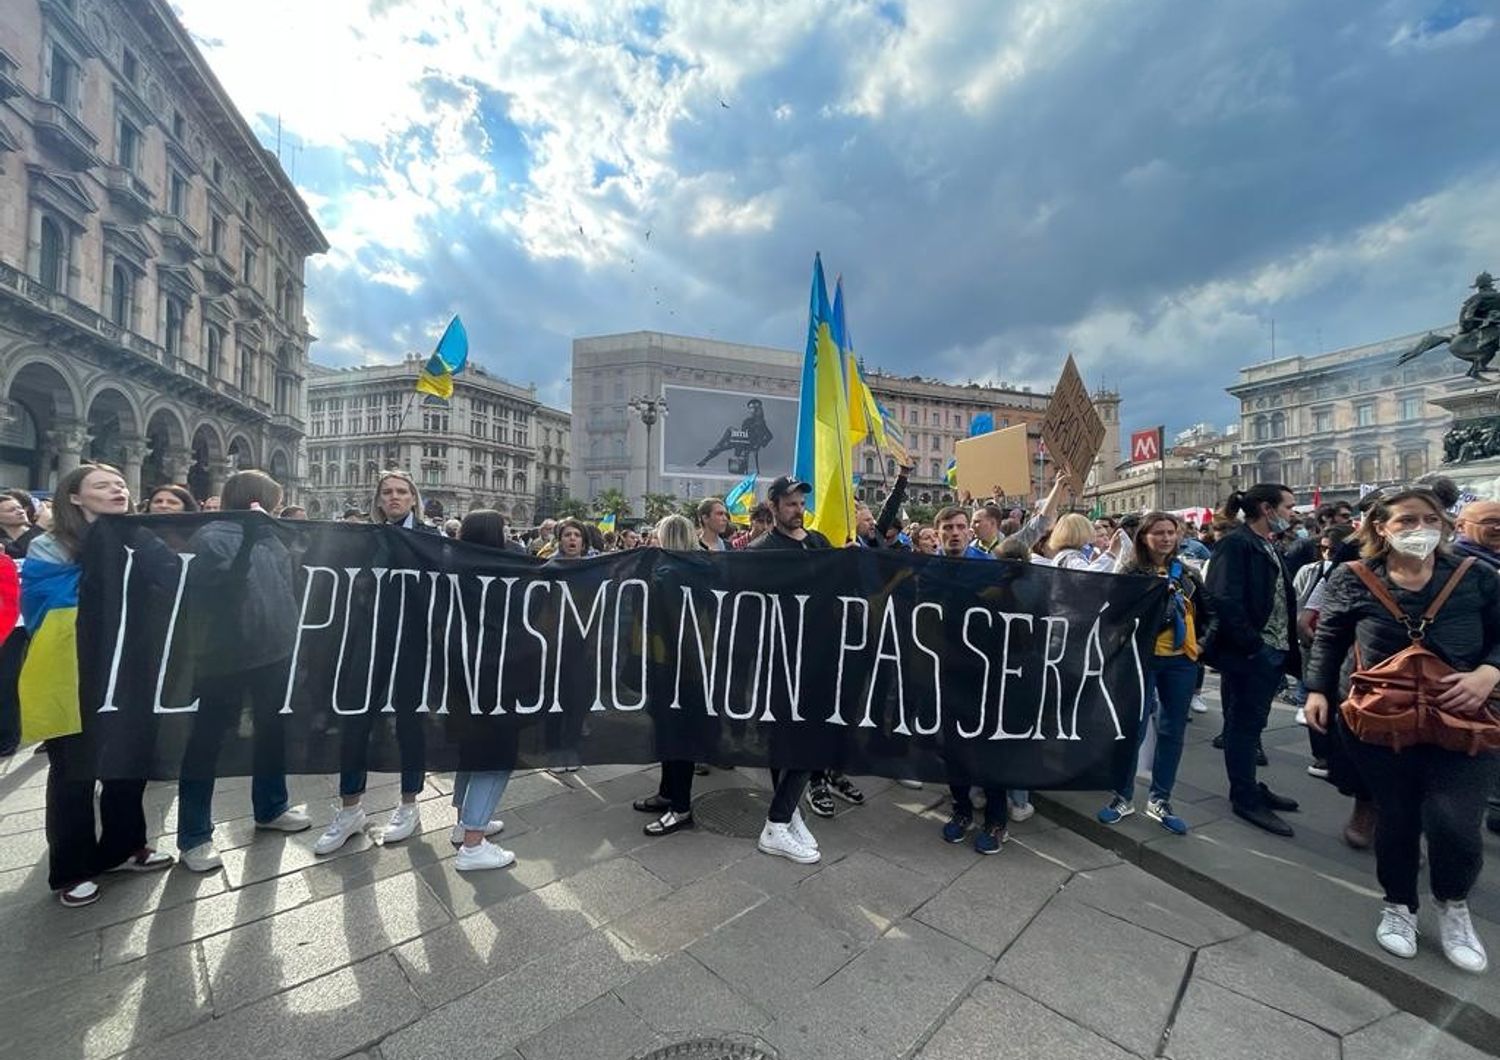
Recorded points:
786,835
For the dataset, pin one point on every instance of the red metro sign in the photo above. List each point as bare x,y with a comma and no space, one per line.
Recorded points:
1145,445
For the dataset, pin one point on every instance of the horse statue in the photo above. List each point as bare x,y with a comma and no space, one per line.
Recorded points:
1477,338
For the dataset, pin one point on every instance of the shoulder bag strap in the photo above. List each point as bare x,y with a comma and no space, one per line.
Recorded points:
1381,593
1442,597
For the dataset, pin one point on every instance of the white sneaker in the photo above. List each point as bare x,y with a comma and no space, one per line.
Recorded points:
1461,943
202,858
780,841
482,855
456,837
402,824
289,821
348,822
1397,931
1199,705
803,833
1022,812
1301,716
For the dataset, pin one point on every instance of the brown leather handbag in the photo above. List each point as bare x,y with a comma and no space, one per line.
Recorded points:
1394,702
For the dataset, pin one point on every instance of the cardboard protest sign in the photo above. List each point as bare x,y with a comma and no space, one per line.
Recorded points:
999,458
1072,430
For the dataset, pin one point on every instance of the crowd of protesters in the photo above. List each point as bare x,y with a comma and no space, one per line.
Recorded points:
1277,601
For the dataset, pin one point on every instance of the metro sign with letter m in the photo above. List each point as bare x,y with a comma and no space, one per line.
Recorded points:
1145,446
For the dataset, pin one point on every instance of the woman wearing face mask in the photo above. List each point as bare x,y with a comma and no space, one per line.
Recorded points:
1423,789
1256,642
49,599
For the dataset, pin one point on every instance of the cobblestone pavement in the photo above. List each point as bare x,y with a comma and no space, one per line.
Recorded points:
603,943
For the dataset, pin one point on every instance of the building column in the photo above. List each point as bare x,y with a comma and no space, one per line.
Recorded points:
218,471
68,439
175,462
135,456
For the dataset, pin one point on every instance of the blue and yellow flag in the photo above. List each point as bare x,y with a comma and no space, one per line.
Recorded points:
48,684
741,499
447,360
606,523
823,450
950,473
864,411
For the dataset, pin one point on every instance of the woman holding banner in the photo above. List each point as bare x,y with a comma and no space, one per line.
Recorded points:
80,845
396,503
477,793
241,660
1171,672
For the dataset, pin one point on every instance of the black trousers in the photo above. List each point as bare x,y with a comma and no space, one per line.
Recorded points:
12,655
1247,687
994,803
1427,790
677,784
73,853
788,786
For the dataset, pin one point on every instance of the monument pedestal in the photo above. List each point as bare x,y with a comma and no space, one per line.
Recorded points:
1471,448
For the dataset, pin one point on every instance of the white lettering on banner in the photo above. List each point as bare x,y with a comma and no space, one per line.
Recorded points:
984,684
937,673
430,628
791,679
708,659
541,692
837,718
755,671
1005,672
390,687
166,655
338,667
114,662
510,584
1050,664
596,613
887,630
302,626
1092,649
641,636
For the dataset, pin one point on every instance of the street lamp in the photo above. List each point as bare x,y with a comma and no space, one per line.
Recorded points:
649,410
1203,464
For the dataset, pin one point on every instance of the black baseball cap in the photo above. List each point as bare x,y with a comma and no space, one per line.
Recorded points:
784,485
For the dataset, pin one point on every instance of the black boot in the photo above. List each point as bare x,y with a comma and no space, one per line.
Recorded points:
1264,817
1276,802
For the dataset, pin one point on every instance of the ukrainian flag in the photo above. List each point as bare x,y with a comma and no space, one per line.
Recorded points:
864,410
447,360
823,450
49,677
606,523
741,499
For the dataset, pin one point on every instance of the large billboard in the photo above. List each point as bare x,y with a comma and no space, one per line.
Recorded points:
726,434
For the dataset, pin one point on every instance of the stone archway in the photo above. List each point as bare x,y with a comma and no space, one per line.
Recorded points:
44,436
281,467
241,454
167,452
208,461
114,435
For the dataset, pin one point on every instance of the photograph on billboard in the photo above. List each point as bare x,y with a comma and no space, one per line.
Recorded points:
727,434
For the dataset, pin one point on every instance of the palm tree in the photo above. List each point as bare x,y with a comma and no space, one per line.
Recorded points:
572,508
659,505
612,502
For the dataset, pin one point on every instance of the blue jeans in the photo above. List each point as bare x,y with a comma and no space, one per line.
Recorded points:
1247,688
195,825
477,794
1170,682
1018,796
352,781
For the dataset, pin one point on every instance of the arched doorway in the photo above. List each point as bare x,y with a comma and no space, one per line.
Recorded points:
281,468
166,441
241,454
208,449
111,423
40,400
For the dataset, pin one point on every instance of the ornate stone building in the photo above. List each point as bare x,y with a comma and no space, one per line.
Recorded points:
151,257
707,379
480,450
554,460
1342,419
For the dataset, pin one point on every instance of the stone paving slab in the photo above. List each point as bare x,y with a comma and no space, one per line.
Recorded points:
997,1023
603,943
1217,1024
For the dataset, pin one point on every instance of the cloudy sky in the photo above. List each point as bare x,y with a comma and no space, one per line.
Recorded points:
1147,184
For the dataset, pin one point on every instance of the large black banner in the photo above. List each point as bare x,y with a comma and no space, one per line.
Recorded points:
228,644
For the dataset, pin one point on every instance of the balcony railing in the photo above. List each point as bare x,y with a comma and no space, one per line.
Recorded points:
129,191
179,235
57,128
10,82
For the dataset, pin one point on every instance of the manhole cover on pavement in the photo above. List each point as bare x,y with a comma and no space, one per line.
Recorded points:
737,812
710,1048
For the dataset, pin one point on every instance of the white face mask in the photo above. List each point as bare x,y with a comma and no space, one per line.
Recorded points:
1418,543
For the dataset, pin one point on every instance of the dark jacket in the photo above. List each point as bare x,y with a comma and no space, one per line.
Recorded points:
16,549
1464,547
1239,579
1302,553
1465,634
776,539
